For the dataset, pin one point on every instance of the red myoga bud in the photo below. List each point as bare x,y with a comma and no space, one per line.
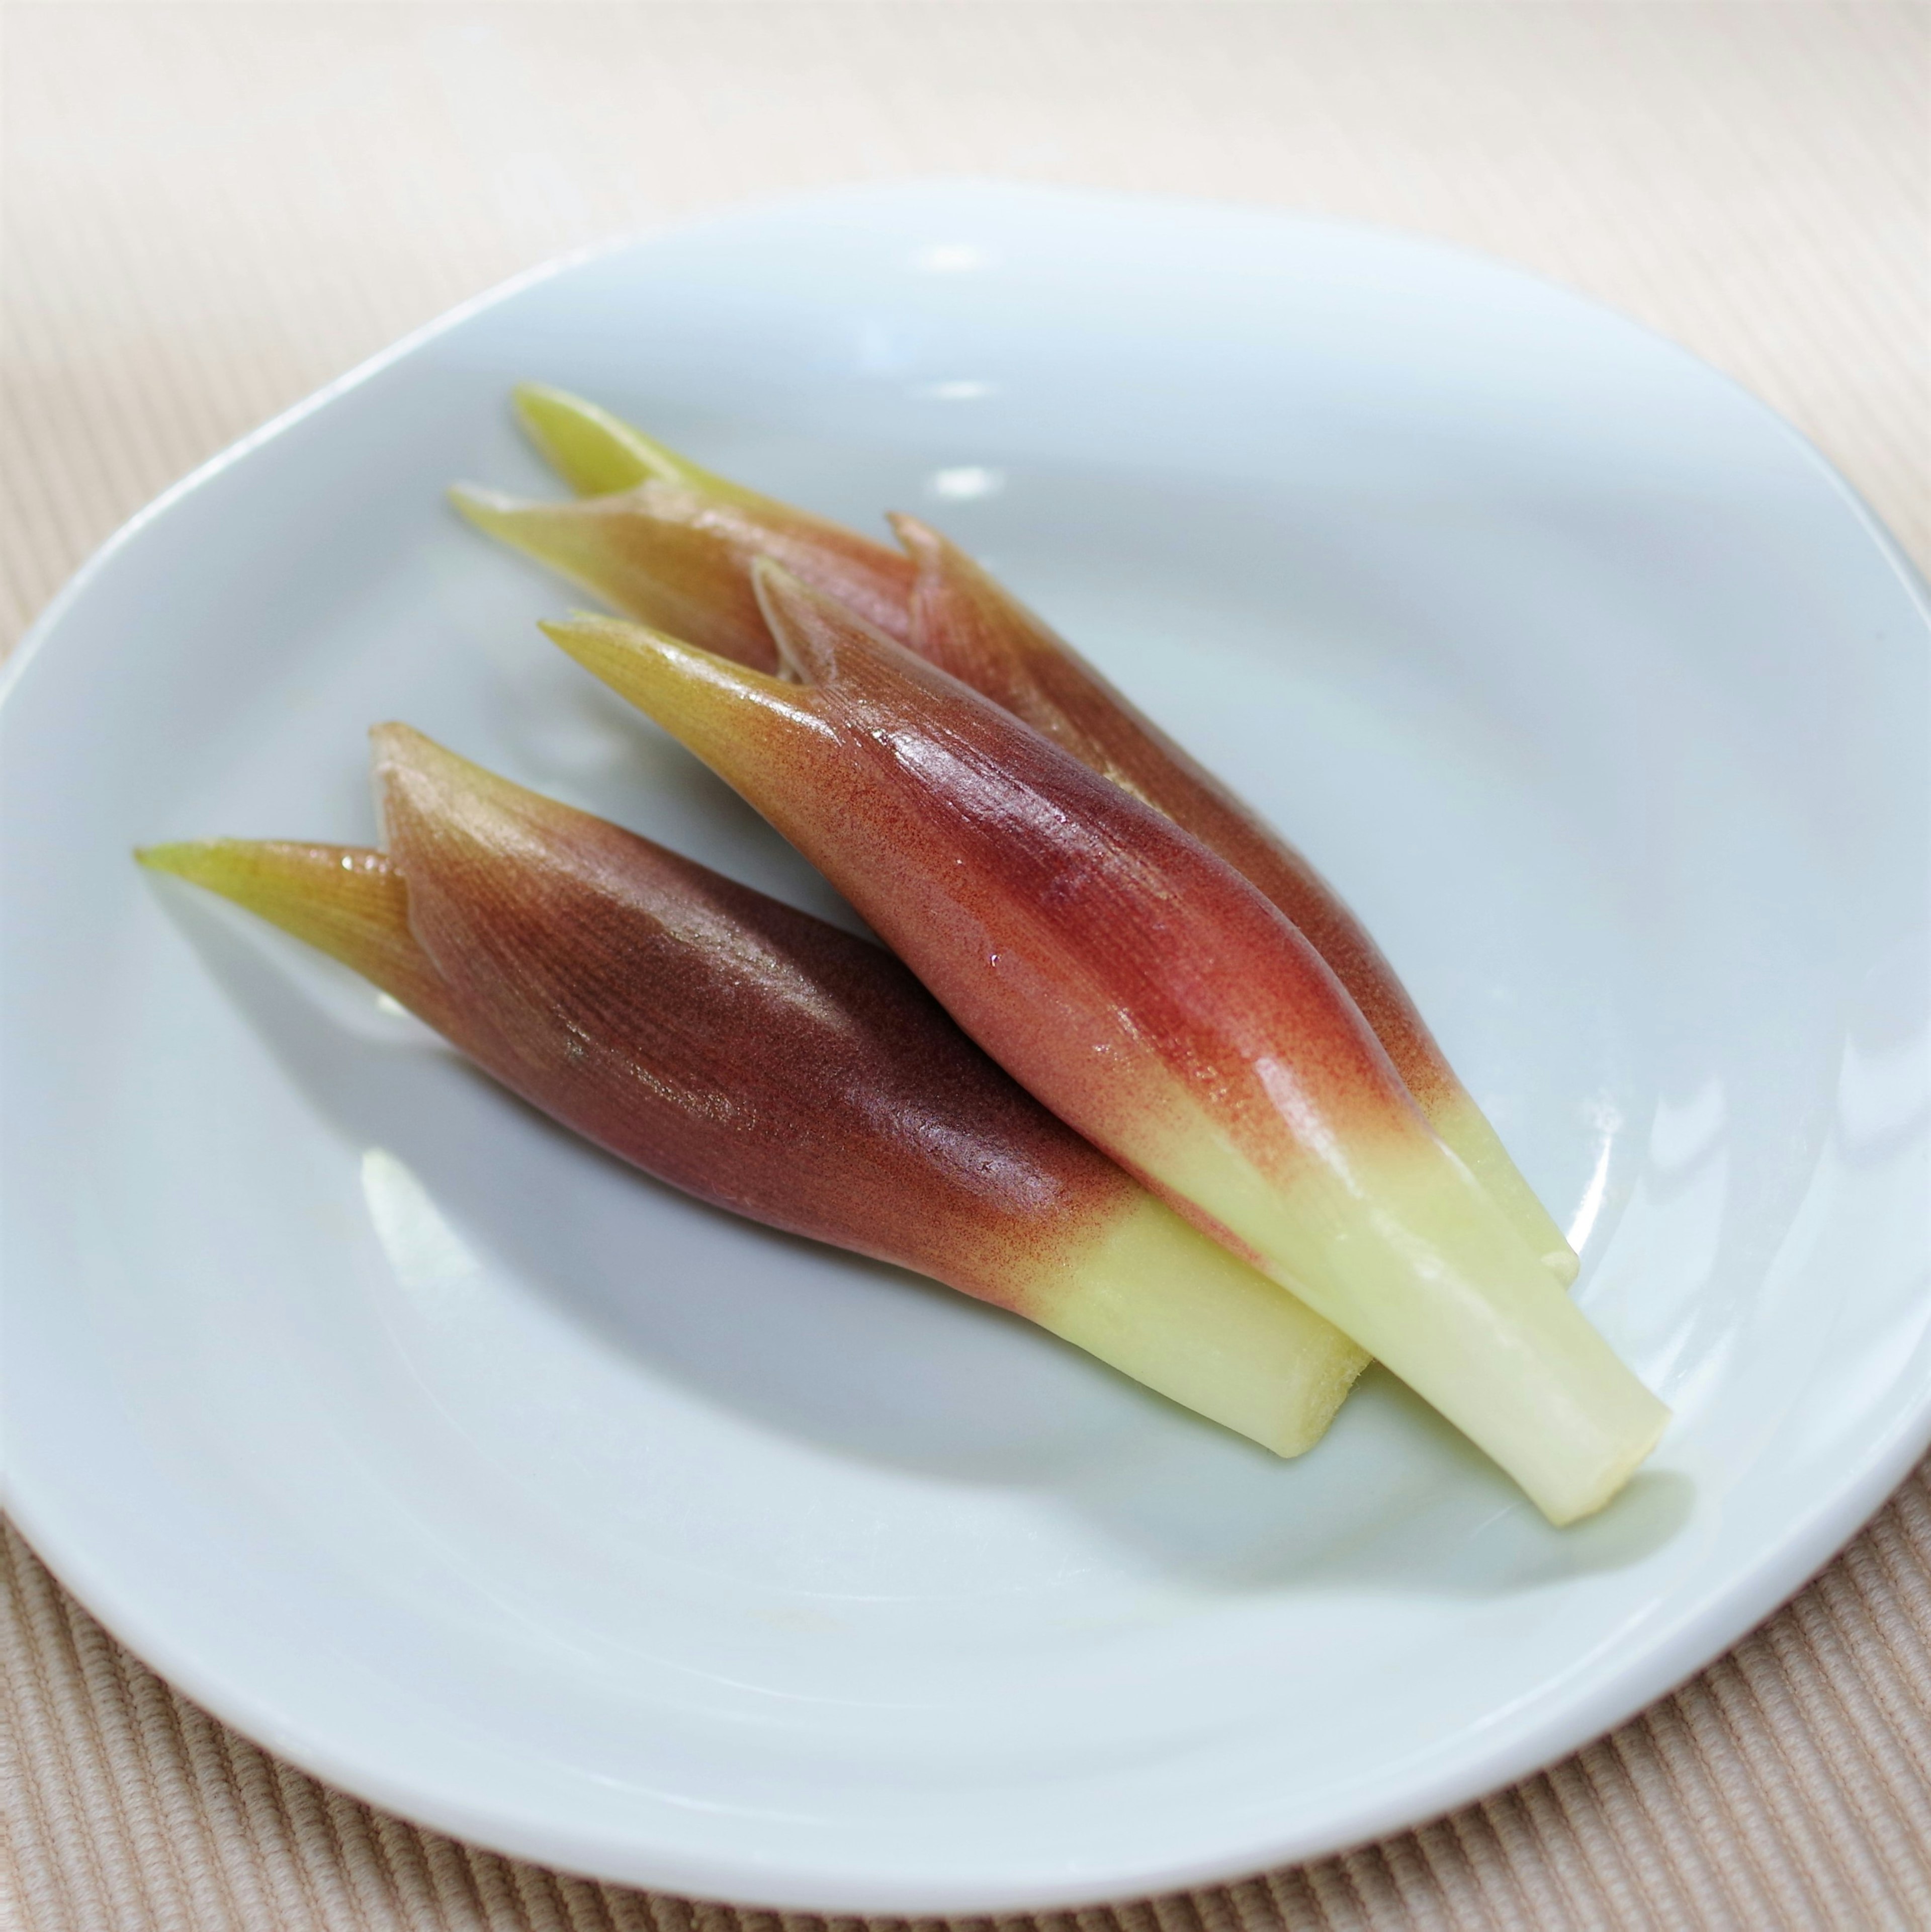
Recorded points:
673,545
764,1060
677,551
966,623
1156,1001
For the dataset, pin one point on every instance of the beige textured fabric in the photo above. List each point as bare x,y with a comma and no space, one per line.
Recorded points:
209,210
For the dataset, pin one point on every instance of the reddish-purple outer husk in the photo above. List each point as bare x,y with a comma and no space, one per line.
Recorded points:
750,1053
966,623
1158,1002
745,1052
1097,950
679,558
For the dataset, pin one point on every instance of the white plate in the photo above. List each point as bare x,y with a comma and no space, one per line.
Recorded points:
510,1490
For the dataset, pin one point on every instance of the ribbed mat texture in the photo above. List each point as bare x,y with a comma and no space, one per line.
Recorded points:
209,210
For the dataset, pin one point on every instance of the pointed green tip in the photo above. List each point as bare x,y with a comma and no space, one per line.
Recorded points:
532,399
647,666
598,454
237,868
580,630
600,622
595,453
489,510
346,900
233,868
540,407
195,858
596,642
601,648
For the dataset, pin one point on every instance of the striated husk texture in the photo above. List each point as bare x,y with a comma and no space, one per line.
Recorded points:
1154,1000
764,1060
668,543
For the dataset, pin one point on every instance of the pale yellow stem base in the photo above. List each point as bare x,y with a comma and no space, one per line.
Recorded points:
1465,1128
1155,1299
1410,1256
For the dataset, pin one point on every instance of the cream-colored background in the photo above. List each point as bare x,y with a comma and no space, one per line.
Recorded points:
210,209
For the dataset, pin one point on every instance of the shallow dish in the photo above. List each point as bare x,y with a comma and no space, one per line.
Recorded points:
507,1489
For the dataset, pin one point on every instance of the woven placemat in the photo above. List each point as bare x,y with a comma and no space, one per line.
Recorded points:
211,209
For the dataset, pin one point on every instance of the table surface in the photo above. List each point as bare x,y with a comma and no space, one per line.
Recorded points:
206,210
